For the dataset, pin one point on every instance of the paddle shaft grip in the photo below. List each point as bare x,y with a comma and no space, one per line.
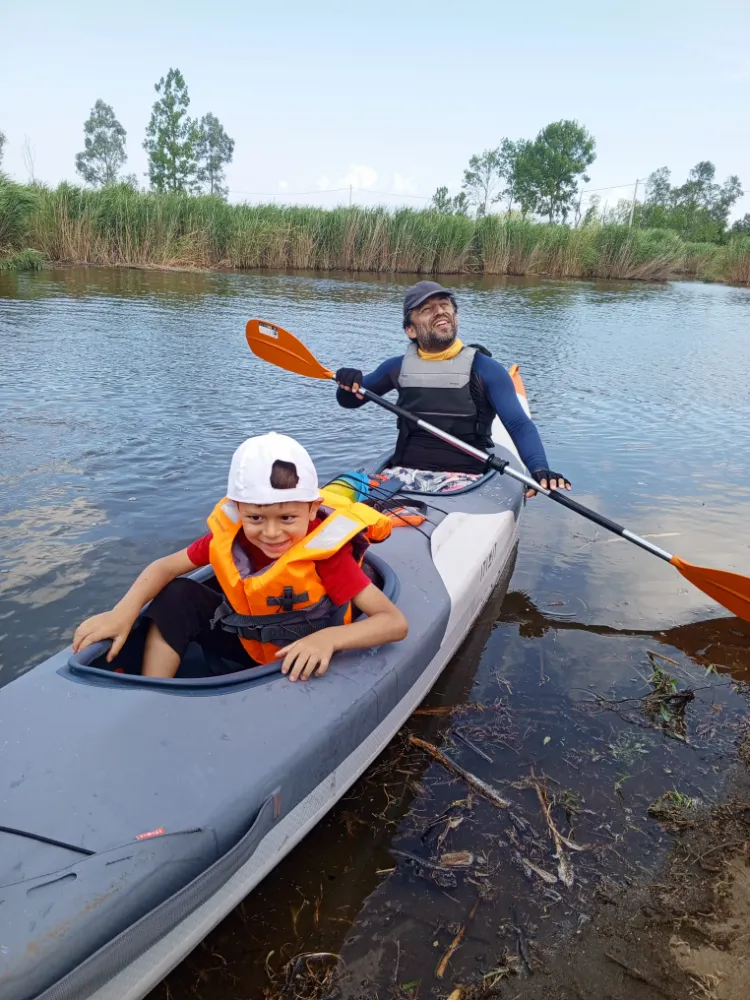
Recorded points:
559,496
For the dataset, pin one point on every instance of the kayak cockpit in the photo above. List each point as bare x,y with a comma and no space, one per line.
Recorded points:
197,669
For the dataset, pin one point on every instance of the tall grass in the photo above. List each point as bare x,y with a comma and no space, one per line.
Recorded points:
17,205
122,226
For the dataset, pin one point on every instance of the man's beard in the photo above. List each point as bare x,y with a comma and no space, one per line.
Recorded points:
434,341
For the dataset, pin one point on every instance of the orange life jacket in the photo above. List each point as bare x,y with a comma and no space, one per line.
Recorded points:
286,600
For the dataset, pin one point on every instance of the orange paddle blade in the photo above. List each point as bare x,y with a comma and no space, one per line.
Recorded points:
729,589
281,348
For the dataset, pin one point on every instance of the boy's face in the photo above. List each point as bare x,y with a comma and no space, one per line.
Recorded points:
275,527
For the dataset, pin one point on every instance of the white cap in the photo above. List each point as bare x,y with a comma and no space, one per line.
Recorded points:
250,471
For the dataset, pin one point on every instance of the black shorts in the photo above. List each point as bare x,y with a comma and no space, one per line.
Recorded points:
183,611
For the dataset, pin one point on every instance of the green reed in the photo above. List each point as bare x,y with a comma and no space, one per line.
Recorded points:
121,226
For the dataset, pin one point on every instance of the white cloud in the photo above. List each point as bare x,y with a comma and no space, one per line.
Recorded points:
359,176
284,185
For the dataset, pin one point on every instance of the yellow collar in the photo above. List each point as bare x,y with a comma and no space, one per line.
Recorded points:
450,352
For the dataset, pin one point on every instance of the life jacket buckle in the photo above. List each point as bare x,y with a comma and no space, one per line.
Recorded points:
288,599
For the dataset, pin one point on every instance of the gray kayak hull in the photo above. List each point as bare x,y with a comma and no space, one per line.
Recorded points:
140,815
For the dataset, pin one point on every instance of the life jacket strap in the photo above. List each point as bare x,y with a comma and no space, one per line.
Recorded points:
280,628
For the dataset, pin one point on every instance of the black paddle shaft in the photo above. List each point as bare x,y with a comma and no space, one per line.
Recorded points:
500,465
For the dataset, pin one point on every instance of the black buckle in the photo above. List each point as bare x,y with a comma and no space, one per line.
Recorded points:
288,599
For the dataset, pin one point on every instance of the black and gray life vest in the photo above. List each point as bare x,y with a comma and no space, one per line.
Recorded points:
440,392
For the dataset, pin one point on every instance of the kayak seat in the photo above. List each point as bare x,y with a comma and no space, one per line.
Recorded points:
197,669
385,461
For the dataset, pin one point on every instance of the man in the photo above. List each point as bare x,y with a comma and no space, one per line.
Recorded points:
459,389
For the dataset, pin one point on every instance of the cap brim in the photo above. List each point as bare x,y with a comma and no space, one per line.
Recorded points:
429,295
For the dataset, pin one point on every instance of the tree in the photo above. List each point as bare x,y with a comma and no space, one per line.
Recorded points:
658,187
552,165
445,205
104,142
482,178
698,209
742,226
171,137
2,145
214,149
513,162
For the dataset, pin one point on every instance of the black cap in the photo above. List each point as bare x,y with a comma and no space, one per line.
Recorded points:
421,292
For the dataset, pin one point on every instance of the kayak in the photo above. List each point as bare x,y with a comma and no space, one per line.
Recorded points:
137,812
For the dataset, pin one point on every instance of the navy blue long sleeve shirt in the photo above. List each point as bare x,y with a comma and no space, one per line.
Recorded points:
499,389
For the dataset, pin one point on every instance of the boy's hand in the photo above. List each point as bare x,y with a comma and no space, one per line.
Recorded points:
112,625
302,657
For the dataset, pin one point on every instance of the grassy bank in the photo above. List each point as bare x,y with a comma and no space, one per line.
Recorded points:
119,225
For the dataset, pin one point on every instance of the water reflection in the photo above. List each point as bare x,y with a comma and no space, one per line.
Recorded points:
723,643
124,394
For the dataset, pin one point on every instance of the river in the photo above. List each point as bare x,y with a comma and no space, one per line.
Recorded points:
122,396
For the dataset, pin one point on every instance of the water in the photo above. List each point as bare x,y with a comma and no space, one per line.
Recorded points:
122,397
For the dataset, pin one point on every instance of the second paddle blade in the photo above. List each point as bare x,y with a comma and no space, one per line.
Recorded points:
729,589
272,343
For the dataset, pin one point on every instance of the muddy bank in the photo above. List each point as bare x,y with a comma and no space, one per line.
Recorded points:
683,933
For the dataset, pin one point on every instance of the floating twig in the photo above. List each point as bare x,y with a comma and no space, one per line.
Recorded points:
529,866
471,746
564,868
457,859
523,947
443,963
415,858
651,652
476,783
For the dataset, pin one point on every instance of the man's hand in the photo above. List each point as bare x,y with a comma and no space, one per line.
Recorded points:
548,480
114,625
308,656
350,379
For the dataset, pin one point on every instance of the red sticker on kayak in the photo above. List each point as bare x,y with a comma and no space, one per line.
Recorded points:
151,833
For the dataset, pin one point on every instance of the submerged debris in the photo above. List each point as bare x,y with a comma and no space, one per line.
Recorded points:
476,783
457,859
443,963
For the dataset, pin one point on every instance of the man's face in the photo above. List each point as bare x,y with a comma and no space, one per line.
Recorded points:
434,324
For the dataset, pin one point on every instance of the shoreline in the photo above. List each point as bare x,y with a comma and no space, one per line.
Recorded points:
680,276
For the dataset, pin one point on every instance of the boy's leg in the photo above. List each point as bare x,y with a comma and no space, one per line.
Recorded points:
159,659
178,615
182,614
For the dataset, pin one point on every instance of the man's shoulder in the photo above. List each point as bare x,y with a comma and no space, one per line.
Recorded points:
485,365
389,367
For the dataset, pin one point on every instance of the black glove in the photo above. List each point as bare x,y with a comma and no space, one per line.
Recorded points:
548,476
347,377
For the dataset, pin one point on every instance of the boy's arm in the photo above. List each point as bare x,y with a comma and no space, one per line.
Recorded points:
384,623
117,623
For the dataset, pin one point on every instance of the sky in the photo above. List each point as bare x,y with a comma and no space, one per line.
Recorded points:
391,98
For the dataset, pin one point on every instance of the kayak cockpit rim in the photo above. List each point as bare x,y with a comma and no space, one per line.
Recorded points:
82,666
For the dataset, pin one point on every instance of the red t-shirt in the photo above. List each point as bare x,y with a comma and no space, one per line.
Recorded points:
340,574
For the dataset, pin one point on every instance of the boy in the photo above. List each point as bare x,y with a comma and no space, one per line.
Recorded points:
268,569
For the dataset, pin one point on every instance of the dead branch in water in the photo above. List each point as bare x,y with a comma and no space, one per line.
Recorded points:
476,783
443,963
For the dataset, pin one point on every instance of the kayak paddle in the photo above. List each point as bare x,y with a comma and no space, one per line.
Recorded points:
281,348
